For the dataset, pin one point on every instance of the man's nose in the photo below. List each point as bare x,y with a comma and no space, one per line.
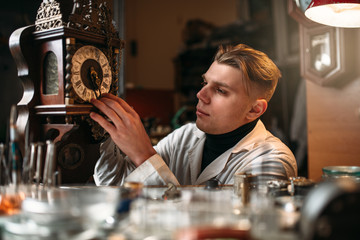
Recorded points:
203,95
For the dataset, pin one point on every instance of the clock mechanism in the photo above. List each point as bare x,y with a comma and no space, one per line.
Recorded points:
69,56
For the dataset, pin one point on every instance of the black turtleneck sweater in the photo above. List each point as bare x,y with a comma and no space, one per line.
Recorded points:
215,145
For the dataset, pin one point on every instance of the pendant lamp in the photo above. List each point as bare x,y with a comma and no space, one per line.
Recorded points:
335,13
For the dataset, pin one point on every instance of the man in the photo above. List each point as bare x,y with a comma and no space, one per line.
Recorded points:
228,136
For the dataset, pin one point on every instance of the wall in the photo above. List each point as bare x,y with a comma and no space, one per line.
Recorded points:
334,122
13,15
159,41
160,99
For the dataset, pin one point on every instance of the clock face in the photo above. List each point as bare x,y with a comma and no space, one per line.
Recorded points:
91,73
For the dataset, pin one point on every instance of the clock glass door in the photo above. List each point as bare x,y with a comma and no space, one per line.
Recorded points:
51,83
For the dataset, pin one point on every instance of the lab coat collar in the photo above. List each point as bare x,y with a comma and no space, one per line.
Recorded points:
258,134
195,153
251,140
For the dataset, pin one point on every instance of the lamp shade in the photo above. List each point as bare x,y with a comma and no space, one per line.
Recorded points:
335,13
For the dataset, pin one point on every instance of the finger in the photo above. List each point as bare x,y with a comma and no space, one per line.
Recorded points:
117,105
110,112
116,108
103,122
122,103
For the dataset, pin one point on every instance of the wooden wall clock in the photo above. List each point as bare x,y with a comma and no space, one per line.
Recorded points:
69,56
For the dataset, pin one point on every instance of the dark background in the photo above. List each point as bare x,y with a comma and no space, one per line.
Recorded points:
13,15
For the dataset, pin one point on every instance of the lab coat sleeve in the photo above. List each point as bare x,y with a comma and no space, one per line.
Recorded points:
271,158
153,171
113,168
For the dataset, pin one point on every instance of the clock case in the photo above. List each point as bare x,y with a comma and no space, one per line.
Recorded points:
50,109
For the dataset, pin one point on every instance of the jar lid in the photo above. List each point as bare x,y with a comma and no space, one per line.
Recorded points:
342,170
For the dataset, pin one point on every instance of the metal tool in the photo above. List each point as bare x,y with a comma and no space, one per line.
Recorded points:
16,159
50,163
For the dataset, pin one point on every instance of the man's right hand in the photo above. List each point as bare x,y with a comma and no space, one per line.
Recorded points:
125,127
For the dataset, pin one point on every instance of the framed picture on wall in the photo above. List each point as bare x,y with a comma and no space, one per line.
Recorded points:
319,55
326,57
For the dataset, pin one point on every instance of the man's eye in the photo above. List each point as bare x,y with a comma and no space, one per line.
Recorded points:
203,83
219,90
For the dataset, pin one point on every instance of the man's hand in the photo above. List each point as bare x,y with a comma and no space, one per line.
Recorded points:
125,127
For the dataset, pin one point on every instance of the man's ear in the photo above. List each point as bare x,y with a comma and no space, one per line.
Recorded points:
258,108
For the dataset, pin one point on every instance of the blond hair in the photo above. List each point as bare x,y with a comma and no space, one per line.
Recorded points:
260,73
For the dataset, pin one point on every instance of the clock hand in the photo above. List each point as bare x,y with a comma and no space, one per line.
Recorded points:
96,82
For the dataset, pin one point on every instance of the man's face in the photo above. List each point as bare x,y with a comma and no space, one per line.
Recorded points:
223,102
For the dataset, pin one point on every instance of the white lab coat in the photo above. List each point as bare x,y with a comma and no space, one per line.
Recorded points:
179,155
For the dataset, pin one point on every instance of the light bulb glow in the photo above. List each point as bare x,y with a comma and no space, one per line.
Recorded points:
345,15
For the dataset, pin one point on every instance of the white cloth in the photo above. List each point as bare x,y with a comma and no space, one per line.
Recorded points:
179,155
